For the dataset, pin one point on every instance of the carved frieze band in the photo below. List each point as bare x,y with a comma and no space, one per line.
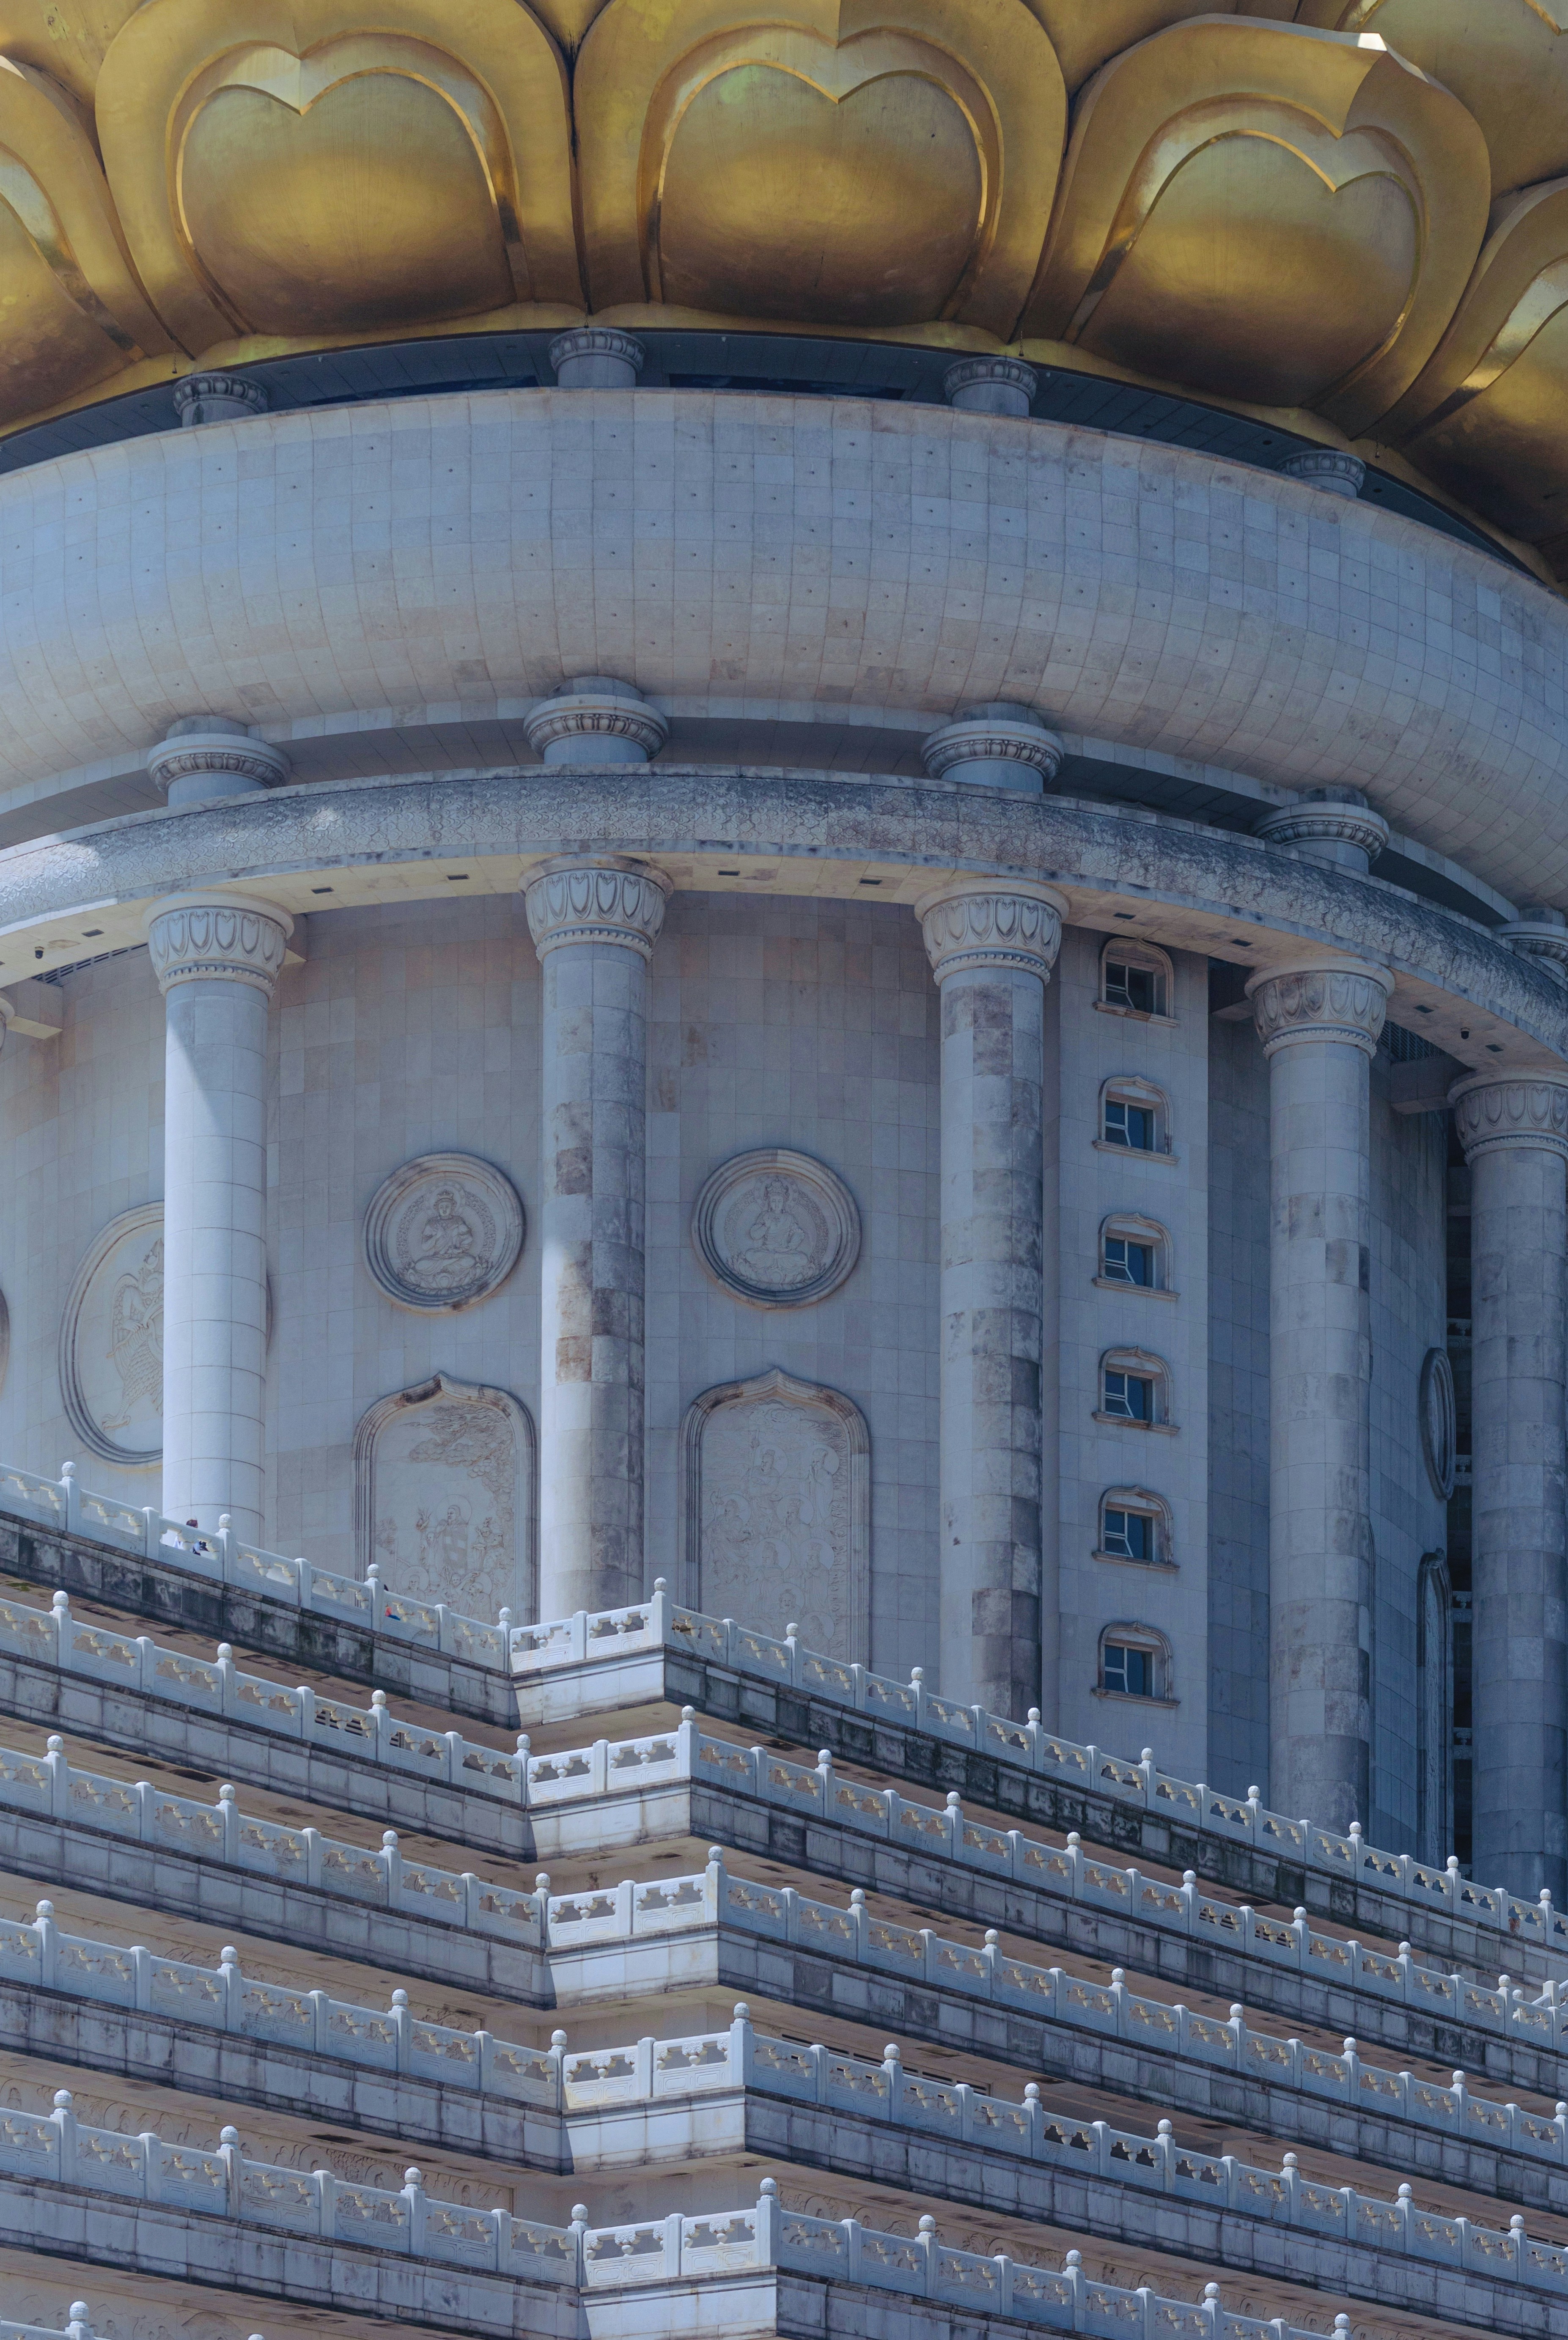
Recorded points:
1491,1115
987,923
604,900
200,937
1340,1000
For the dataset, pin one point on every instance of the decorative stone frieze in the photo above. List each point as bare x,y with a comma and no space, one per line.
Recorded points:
443,1231
1491,1115
777,1228
998,923
998,746
595,720
604,899
990,386
1332,828
218,398
596,357
1325,1000
197,937
1327,468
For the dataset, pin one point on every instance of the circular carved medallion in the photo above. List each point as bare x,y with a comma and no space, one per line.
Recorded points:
776,1229
1439,1421
112,1342
444,1231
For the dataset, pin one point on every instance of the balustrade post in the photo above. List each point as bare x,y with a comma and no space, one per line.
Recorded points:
231,1989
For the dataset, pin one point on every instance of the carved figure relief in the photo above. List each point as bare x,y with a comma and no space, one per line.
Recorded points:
1439,1431
444,1498
776,1229
778,1510
444,1231
112,1342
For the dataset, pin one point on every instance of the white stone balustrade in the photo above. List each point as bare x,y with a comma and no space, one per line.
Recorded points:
37,1954
1532,1934
1063,1872
135,1663
663,2250
222,2182
138,1813
613,1637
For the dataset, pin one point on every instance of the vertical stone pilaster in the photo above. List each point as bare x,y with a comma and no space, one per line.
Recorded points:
1319,1022
217,958
992,944
1515,1134
594,923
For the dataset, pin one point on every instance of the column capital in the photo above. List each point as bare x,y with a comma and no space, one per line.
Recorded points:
1002,923
1495,1114
1327,997
226,937
597,898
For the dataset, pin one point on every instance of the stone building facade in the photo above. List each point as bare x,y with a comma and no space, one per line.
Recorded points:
783,1234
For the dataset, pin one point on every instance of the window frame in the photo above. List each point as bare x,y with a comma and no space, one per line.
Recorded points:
1132,1226
1144,1504
1133,1634
1138,1364
1133,1089
1146,957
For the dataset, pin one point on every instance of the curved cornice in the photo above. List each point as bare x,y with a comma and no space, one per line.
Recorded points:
1311,643
1192,888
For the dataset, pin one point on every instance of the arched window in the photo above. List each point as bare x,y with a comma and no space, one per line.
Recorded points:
1135,1390
1135,1118
1136,1526
1135,980
1135,1255
1135,1663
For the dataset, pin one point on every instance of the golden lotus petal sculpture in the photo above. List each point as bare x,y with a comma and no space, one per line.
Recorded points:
881,162
1086,33
75,316
297,170
65,39
1275,215
1486,415
1505,60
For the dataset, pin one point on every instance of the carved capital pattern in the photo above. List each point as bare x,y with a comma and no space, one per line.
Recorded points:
218,940
999,926
1319,1002
601,901
1491,1115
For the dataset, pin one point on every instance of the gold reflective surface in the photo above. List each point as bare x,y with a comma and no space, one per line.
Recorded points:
1277,206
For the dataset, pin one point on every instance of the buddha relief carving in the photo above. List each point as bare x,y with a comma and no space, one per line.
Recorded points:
776,1229
443,1231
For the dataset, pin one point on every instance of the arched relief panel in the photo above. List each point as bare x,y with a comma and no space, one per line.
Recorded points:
777,1489
326,167
1506,60
75,314
1267,213
1485,416
884,163
446,1496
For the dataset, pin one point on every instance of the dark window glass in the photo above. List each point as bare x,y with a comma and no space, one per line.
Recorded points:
1129,1125
1138,987
1129,1263
1128,1396
1128,1535
1129,1671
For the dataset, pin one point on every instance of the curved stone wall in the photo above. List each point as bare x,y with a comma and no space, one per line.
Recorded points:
757,549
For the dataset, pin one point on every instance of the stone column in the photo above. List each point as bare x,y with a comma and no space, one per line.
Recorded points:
594,922
992,943
1514,1132
1318,1020
217,957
